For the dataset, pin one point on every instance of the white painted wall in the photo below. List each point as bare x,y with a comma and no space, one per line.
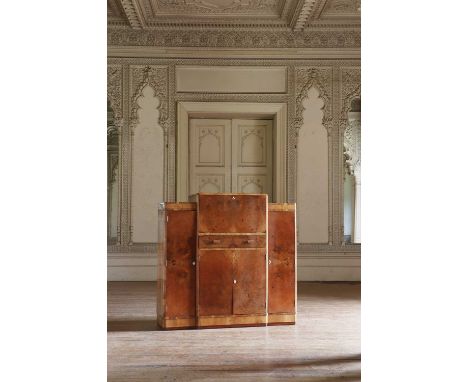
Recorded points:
148,169
348,204
312,173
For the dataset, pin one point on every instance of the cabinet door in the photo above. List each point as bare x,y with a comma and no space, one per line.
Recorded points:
215,280
281,267
249,295
181,270
238,213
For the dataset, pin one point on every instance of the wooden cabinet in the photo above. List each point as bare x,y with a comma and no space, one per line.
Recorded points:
227,260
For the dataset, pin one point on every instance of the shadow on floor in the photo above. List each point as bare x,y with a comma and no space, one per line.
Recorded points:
132,326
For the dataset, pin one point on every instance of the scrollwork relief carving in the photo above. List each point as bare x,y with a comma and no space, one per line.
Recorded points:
350,89
237,39
321,79
352,148
157,78
114,90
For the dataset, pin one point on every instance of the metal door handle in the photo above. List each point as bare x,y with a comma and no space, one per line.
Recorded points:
215,241
249,241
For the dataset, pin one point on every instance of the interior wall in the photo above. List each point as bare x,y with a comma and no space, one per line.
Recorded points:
312,173
148,169
317,258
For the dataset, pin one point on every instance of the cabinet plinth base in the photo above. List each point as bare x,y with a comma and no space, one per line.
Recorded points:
213,321
177,323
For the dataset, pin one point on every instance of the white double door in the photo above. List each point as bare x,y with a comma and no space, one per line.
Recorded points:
231,155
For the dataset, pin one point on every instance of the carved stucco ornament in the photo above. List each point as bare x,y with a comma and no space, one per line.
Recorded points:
321,79
114,92
157,78
352,147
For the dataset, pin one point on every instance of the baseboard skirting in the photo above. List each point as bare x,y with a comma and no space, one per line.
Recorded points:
310,267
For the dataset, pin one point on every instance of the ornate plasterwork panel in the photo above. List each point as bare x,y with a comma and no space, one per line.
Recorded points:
115,13
321,79
350,90
114,91
157,78
217,6
279,15
329,38
352,147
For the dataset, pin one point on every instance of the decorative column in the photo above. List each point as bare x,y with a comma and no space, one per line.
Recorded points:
352,148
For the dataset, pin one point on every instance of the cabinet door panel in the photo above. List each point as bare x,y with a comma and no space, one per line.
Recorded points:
180,270
215,280
281,267
250,286
232,213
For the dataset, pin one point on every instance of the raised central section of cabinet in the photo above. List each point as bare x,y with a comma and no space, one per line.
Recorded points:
232,259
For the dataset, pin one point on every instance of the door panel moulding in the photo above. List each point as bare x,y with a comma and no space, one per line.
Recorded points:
276,111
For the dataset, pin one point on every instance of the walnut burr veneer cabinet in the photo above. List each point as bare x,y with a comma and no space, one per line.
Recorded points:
226,260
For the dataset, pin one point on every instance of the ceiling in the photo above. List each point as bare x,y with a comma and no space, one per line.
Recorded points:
279,15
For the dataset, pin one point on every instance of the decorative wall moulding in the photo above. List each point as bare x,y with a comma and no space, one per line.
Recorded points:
325,38
233,53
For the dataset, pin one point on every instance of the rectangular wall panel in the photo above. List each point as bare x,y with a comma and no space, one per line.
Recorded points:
231,79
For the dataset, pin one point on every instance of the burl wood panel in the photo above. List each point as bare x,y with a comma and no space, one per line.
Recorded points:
232,213
215,280
282,257
181,240
249,295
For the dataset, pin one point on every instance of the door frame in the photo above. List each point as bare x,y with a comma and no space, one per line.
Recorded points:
276,111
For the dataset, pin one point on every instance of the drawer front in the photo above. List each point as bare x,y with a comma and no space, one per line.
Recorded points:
232,241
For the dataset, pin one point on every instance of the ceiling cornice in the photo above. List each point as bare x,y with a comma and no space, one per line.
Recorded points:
301,14
134,16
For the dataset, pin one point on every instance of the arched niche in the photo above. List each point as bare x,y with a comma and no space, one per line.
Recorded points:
147,185
312,172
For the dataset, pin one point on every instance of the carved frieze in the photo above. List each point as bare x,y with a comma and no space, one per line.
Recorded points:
157,78
349,38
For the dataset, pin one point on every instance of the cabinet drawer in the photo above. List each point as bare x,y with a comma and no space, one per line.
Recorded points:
232,241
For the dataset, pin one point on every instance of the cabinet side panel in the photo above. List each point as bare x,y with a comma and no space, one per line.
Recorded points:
250,281
215,280
161,265
282,259
180,270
